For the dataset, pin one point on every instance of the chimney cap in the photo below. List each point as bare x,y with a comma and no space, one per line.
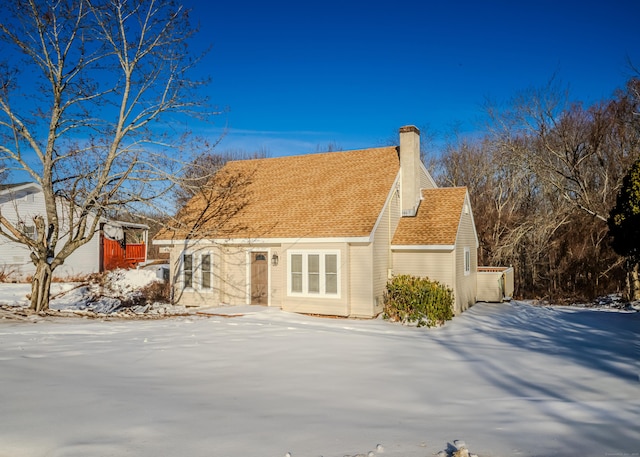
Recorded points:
409,129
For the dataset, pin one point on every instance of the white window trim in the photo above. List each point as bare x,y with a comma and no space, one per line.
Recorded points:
305,273
467,265
200,271
196,271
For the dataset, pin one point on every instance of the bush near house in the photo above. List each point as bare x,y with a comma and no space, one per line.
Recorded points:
410,299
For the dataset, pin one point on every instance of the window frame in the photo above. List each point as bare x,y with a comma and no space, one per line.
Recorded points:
321,274
28,230
184,271
209,271
467,261
197,271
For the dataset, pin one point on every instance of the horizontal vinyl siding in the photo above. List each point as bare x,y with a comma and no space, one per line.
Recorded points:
15,257
361,296
425,182
278,284
437,266
489,287
195,296
84,260
466,286
233,285
381,254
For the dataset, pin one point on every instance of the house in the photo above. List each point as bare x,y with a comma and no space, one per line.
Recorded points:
118,244
322,233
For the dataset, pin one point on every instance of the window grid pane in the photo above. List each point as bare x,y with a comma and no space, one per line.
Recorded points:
296,273
331,273
188,270
206,271
314,273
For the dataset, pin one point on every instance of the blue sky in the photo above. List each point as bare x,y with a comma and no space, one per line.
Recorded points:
299,75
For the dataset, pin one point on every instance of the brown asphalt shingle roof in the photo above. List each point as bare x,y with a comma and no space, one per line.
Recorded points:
337,194
437,219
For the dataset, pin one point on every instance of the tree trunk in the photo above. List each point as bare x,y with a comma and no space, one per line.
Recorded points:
41,287
633,282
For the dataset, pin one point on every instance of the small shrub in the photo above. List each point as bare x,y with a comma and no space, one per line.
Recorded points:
410,299
157,291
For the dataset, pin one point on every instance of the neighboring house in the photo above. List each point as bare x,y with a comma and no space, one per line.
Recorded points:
322,234
118,244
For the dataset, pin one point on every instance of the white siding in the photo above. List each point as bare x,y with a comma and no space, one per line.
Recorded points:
361,297
233,277
426,181
495,284
16,257
382,259
466,284
196,295
435,265
489,287
278,279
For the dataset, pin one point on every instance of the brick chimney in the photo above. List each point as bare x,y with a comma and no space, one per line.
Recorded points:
409,169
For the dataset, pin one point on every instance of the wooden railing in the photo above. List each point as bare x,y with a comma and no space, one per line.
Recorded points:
116,257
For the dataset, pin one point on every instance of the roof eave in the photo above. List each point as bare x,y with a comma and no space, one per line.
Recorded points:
251,241
423,247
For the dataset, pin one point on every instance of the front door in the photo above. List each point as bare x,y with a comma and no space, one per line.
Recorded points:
259,278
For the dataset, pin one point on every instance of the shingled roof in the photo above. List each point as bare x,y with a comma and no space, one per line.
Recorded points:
436,222
329,195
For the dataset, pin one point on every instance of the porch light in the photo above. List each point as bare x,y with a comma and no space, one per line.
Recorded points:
274,259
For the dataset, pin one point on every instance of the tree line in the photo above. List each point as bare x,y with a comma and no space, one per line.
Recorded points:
543,179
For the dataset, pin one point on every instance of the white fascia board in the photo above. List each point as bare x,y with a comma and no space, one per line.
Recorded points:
387,202
252,241
13,190
122,224
423,247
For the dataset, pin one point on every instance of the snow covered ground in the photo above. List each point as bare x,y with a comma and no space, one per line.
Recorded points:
508,379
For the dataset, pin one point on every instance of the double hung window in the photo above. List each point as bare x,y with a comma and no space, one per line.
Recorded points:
197,271
187,270
205,271
314,273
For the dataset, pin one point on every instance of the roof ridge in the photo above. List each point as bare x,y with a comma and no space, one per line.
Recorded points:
314,154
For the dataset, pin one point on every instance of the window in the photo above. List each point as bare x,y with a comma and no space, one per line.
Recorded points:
197,270
467,261
205,270
314,273
296,273
29,230
187,270
331,273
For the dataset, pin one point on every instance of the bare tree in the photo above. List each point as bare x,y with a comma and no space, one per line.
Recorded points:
84,90
204,167
542,181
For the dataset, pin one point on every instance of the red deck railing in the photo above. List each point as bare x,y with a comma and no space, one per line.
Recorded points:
116,257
